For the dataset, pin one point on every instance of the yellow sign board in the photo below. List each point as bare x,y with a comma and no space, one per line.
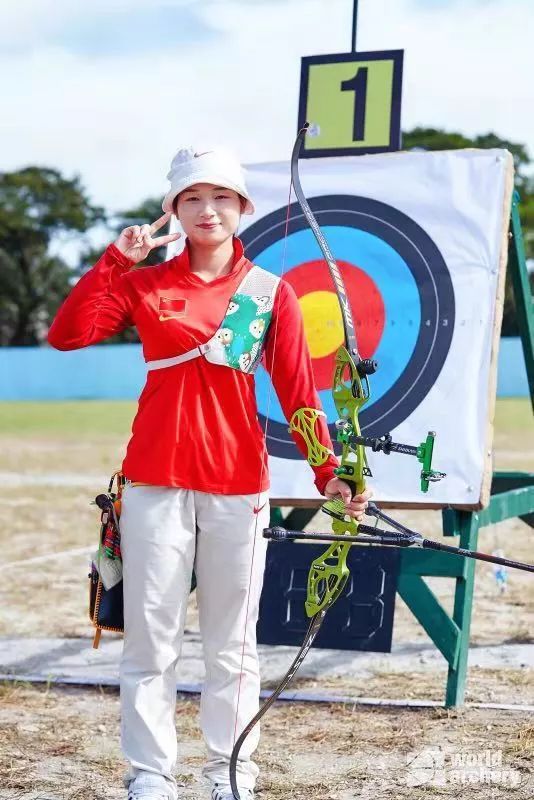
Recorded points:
352,102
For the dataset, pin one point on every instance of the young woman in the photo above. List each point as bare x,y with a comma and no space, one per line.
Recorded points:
196,464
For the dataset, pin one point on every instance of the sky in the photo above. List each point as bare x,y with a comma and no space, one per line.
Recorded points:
110,89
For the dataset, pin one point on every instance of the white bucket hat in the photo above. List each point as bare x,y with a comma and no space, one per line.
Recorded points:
218,166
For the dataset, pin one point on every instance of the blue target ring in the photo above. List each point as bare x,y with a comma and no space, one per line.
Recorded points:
412,278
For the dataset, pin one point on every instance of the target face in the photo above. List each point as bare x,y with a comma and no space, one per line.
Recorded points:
401,296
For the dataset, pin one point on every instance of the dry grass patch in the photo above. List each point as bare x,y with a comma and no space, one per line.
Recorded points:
63,744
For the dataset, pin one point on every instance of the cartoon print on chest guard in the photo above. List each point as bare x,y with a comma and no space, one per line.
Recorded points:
264,303
257,327
245,361
239,340
225,336
255,350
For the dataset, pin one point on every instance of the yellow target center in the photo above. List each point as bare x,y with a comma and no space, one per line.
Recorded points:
322,322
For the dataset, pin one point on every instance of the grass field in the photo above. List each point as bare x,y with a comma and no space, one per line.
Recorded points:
78,420
89,418
63,744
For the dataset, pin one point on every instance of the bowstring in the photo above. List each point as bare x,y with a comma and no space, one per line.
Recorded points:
263,465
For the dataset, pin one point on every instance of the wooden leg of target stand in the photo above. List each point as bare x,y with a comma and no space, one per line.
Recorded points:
96,640
467,524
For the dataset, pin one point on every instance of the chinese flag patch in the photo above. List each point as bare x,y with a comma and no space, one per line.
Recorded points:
171,307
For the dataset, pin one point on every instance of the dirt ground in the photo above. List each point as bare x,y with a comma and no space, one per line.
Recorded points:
63,743
307,752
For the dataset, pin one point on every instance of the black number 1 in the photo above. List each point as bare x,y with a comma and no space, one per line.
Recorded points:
358,85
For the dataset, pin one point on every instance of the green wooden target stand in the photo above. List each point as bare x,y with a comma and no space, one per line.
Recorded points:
354,101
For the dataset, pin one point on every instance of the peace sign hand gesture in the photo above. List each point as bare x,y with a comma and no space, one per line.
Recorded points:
136,241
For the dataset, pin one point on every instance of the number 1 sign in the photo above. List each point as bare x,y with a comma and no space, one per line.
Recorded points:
352,101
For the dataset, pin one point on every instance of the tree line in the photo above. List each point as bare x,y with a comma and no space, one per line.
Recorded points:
38,205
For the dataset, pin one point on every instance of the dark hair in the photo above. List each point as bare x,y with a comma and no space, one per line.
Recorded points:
242,202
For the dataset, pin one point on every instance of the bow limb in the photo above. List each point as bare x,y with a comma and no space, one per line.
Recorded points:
311,633
346,313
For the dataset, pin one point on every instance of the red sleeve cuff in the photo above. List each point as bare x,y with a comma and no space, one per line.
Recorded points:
323,474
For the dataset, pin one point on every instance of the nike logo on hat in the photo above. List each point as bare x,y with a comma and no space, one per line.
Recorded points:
204,153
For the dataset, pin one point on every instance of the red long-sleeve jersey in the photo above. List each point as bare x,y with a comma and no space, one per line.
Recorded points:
196,426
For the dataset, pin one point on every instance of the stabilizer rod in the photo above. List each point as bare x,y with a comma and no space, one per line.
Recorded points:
372,535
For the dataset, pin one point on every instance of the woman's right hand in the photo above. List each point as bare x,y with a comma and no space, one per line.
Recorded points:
136,242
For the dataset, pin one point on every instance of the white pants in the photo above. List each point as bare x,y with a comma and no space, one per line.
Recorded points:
164,533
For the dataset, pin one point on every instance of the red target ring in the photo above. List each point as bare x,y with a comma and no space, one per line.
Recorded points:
312,284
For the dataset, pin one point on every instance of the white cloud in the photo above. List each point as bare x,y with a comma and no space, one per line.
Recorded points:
116,118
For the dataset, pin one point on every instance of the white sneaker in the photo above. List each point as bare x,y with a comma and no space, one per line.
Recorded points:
149,786
220,792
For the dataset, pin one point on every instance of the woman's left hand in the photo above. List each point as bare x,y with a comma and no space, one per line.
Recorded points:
355,506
